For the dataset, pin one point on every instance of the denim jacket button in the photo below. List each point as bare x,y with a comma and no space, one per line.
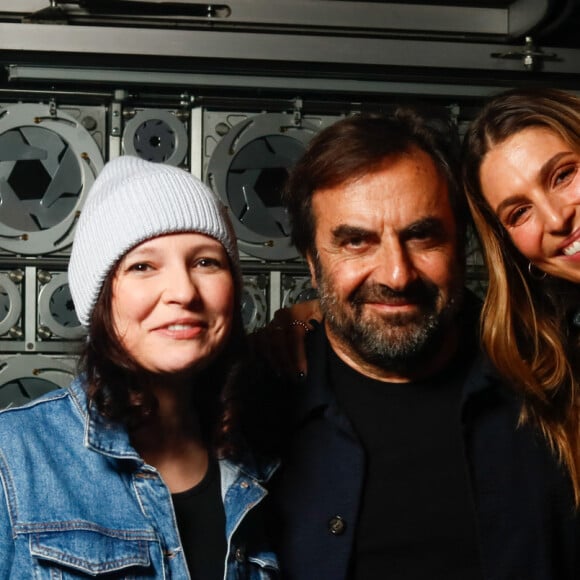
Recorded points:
240,555
336,525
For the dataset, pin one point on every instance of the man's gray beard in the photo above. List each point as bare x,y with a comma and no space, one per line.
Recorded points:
393,342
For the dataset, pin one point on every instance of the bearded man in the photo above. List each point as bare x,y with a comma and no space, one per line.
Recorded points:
405,459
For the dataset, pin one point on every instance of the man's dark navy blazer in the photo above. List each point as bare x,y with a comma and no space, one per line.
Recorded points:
527,527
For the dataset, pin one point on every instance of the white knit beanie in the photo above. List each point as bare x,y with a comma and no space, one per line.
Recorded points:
131,201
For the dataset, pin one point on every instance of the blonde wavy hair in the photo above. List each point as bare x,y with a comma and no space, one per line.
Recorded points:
526,322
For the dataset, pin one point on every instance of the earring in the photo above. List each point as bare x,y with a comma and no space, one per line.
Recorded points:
535,273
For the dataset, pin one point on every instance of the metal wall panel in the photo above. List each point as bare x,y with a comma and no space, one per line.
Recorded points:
234,97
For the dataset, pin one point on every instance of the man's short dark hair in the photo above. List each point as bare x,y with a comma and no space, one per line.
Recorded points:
357,145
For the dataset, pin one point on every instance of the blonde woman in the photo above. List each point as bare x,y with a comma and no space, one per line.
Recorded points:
521,169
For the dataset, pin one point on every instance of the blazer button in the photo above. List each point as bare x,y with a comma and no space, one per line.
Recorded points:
336,525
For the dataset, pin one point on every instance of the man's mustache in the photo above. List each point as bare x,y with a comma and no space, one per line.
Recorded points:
418,292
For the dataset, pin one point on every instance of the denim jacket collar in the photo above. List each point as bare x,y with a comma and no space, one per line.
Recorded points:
111,439
101,435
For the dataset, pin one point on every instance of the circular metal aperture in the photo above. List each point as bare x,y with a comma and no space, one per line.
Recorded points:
297,289
156,135
248,168
10,304
48,162
25,377
259,172
56,309
254,304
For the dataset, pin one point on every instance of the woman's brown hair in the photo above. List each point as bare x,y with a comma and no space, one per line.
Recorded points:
526,322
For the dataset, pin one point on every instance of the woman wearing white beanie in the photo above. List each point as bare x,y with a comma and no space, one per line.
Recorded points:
139,469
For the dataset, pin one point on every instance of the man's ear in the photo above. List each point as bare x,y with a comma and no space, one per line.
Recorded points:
312,269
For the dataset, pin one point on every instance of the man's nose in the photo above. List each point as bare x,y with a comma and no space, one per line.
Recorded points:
393,266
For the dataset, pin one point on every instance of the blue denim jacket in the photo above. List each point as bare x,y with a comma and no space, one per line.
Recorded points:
78,501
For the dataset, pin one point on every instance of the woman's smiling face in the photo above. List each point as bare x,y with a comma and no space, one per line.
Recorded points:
531,181
173,302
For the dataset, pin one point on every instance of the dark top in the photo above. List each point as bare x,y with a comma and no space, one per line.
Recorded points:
201,521
526,525
416,517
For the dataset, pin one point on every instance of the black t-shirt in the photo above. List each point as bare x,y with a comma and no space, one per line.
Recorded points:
201,521
417,518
